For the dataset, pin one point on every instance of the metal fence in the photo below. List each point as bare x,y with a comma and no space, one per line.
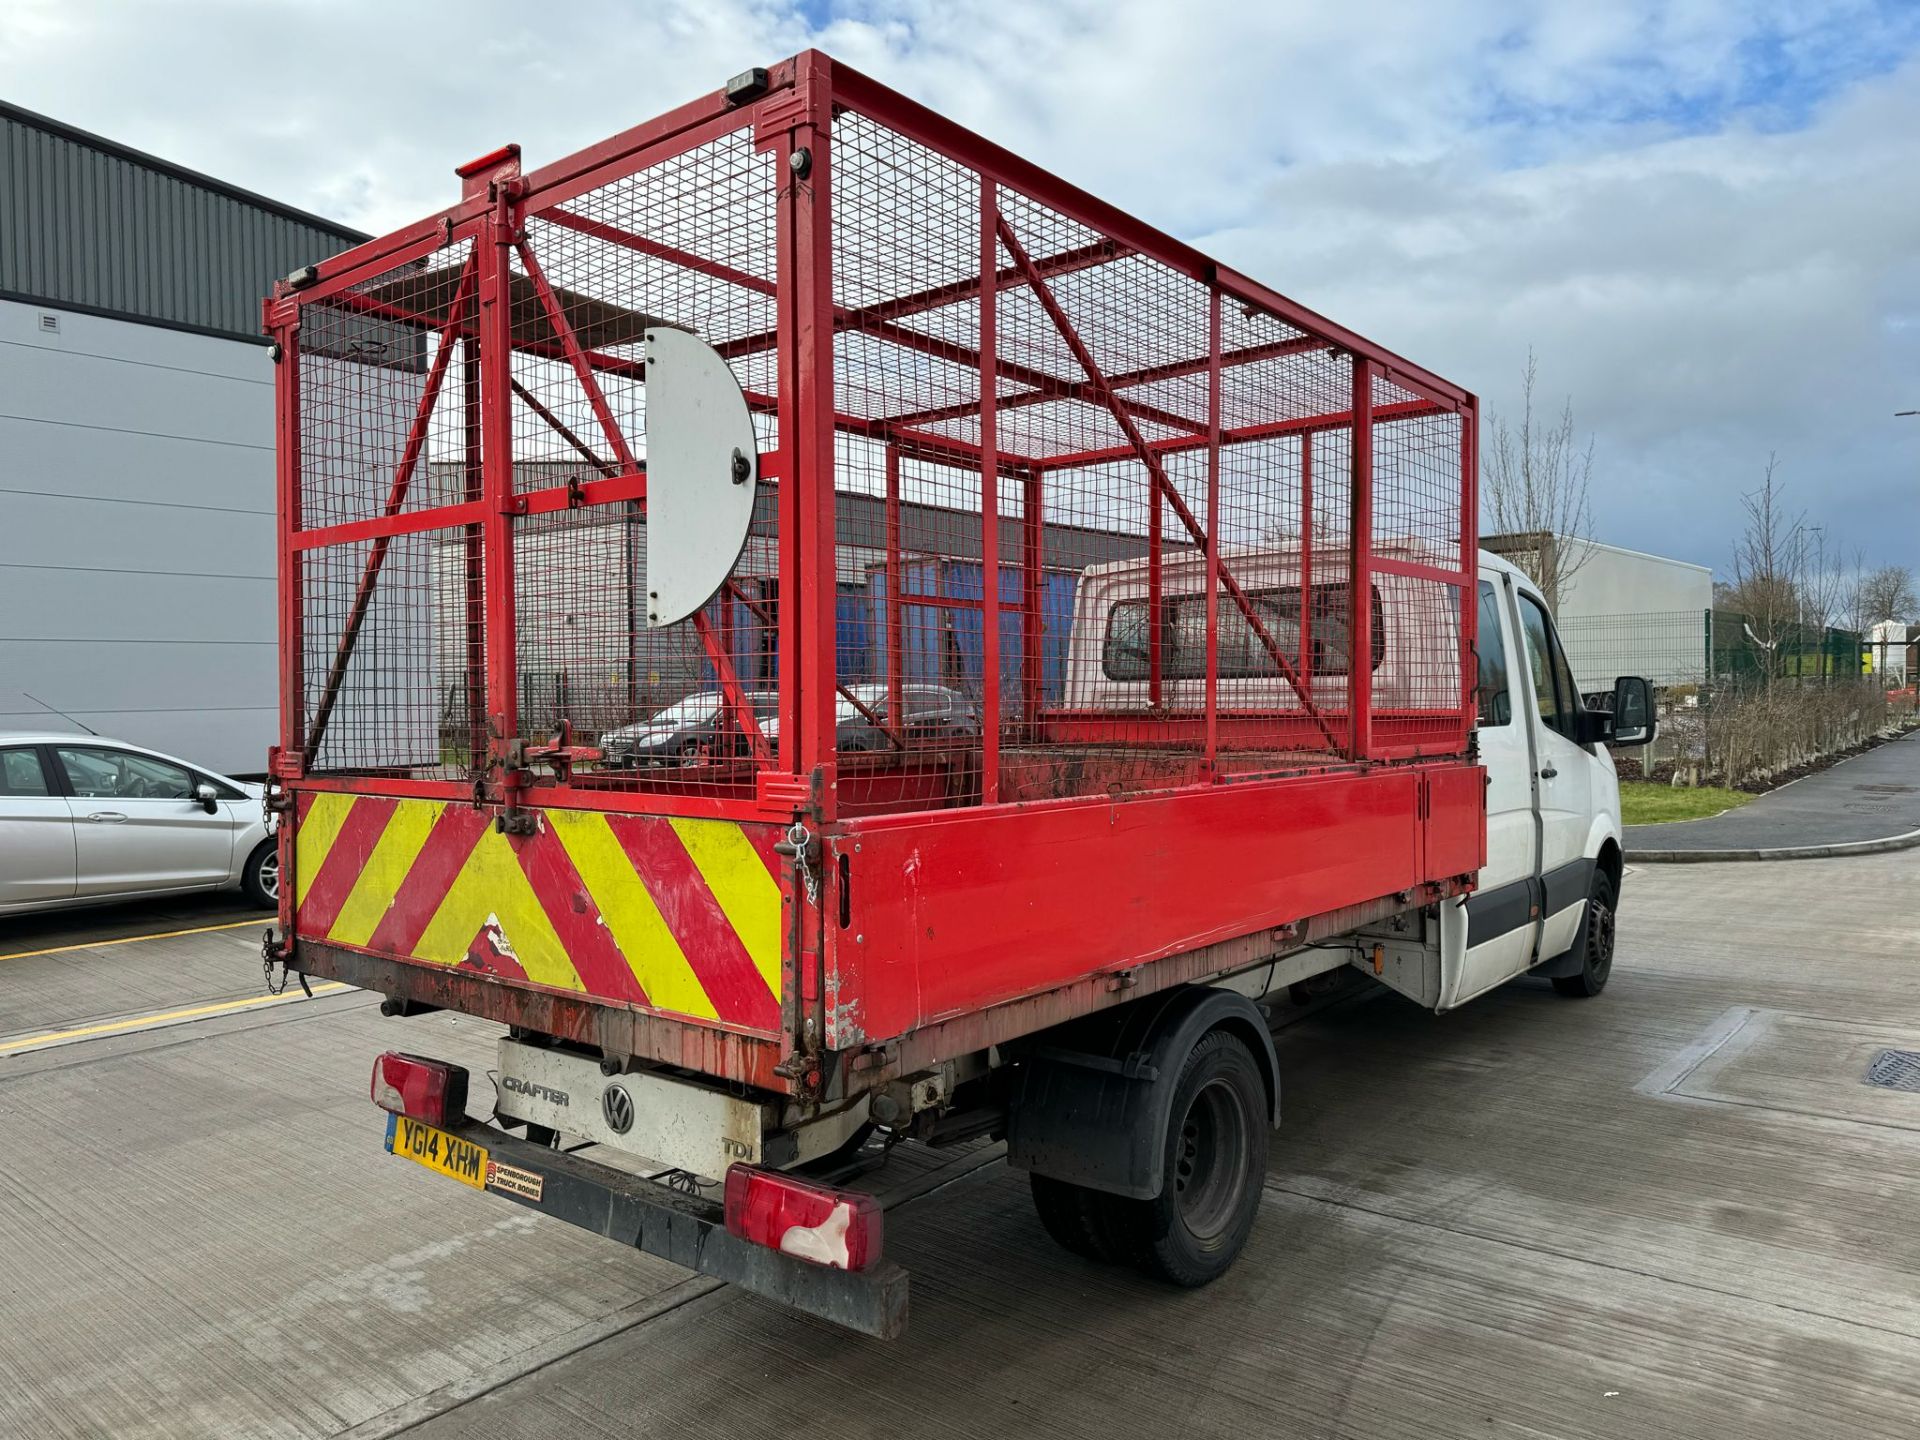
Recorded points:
1670,648
1711,649
1738,699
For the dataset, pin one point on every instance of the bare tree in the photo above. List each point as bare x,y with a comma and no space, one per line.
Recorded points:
1826,590
1769,560
1886,594
1534,488
1853,590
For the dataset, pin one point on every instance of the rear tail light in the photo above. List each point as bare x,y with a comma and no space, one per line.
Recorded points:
422,1089
837,1228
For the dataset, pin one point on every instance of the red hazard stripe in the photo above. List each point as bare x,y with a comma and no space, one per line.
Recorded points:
434,870
320,906
486,954
719,961
575,918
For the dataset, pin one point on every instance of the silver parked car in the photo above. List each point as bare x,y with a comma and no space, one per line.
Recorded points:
86,820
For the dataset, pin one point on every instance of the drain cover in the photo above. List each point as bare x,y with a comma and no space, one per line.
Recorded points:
1895,1070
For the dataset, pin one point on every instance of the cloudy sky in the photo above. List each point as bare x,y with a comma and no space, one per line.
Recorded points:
1704,216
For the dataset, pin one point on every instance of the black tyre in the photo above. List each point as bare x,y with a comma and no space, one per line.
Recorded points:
260,880
1215,1165
1077,1218
1596,945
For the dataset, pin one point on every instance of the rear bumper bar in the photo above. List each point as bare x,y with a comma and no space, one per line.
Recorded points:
691,1231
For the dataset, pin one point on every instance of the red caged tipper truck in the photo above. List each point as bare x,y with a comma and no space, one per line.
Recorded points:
830,635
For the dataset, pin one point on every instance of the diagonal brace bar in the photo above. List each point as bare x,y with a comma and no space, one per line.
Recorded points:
576,357
730,589
717,656
1162,485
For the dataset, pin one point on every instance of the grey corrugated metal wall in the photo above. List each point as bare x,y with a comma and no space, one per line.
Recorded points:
90,225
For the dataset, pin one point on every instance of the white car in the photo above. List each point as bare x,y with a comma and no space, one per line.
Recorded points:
86,820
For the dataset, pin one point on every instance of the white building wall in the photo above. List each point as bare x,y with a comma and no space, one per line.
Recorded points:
1612,581
1628,613
137,535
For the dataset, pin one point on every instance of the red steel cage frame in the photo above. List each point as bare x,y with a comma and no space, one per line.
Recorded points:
791,109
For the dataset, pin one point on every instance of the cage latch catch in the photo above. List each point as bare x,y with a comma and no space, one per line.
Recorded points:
803,847
560,753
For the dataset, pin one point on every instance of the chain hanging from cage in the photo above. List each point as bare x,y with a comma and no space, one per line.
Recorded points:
801,839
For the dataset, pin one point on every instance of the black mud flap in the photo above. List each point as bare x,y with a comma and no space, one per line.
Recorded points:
1093,1108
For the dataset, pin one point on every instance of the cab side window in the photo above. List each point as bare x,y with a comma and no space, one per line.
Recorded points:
1552,677
1496,696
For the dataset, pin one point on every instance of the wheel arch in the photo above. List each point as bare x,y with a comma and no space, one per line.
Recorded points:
1094,1100
1612,863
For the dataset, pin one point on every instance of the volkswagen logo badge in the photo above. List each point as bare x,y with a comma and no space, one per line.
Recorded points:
617,1105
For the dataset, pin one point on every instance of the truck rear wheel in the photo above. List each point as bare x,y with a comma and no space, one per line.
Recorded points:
1215,1166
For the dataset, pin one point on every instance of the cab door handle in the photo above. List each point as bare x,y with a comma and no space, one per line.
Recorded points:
106,817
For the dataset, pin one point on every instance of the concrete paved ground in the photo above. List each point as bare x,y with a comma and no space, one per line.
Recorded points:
22,933
1872,797
1675,1211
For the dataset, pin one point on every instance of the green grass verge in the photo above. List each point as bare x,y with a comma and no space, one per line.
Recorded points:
1644,802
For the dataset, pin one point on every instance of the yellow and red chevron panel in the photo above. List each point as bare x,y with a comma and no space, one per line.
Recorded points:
677,915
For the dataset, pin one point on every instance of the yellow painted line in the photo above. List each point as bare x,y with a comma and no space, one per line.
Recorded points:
157,1019
129,939
738,878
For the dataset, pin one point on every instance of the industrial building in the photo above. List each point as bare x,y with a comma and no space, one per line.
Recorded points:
1621,612
136,444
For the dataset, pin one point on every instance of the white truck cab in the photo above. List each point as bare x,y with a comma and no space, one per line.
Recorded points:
1546,897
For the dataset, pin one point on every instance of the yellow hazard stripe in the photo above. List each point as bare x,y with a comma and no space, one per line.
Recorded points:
379,881
632,917
313,841
492,890
491,902
738,878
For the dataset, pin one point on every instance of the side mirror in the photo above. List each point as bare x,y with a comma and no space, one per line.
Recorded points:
208,797
1633,718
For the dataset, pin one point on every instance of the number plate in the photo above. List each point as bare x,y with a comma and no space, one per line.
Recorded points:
438,1151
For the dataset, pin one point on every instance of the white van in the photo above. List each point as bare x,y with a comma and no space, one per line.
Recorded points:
1546,899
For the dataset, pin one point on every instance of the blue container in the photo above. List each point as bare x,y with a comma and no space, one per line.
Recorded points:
945,646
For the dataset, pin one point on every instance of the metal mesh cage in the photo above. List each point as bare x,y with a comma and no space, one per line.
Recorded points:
386,389
1088,526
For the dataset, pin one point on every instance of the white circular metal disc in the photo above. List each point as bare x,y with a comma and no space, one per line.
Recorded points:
703,469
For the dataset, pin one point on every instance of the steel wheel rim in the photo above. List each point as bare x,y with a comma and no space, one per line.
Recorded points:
1602,957
269,873
1210,1161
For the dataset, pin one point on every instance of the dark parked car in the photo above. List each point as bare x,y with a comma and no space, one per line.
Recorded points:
693,730
686,732
935,718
